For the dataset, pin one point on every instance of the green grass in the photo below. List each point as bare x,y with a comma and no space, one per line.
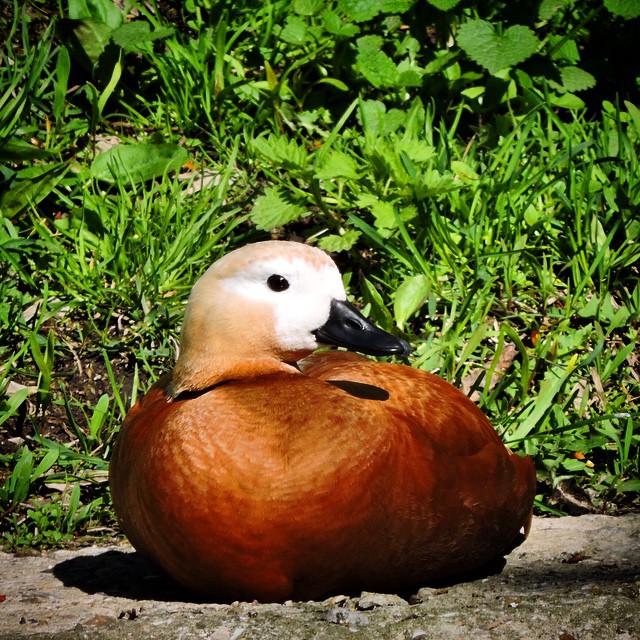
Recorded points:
491,219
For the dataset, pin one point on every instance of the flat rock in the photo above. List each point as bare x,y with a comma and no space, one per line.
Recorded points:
574,578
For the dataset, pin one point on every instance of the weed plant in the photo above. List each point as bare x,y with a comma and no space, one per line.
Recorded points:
473,167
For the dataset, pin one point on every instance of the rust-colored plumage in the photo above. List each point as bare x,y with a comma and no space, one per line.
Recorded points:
338,475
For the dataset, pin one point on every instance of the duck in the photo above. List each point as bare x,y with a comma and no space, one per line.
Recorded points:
271,464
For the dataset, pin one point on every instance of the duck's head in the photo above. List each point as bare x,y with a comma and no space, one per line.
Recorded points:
261,308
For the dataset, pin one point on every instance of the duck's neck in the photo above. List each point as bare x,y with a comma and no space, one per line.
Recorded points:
198,374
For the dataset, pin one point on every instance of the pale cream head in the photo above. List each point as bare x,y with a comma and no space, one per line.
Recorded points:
253,312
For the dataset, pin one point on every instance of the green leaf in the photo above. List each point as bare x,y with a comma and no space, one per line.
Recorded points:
384,214
626,9
395,6
360,10
333,82
634,112
464,171
13,402
283,152
99,416
29,192
334,25
50,458
105,11
335,243
379,310
494,51
307,7
548,8
338,164
129,35
274,208
535,411
567,101
574,465
294,31
575,79
444,5
629,486
562,49
410,296
134,35
20,478
16,150
372,114
375,65
138,162
87,38
63,69
433,183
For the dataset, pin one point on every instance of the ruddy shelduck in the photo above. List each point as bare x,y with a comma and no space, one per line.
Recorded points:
257,469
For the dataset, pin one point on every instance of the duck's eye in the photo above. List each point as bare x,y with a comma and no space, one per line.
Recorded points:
277,283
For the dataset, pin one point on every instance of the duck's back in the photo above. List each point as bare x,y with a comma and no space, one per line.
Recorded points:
355,475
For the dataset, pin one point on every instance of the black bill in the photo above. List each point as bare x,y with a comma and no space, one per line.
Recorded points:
347,327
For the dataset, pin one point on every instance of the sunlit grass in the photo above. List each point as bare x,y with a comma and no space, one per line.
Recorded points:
503,244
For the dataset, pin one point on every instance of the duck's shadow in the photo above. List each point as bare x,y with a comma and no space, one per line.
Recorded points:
121,574
128,575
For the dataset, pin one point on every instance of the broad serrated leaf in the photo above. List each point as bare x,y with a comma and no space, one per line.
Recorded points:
384,214
307,7
494,51
627,9
133,35
410,296
338,164
282,152
294,31
138,162
274,208
408,75
562,49
372,114
374,64
433,183
360,10
334,24
335,243
418,151
444,5
396,6
575,79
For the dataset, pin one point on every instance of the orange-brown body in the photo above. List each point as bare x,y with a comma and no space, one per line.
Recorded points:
352,475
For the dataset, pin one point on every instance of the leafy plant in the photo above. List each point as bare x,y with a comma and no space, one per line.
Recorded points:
472,166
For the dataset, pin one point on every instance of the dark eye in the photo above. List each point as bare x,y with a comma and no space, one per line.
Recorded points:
277,283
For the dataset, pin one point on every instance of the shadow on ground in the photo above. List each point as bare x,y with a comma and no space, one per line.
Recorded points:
122,575
129,575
